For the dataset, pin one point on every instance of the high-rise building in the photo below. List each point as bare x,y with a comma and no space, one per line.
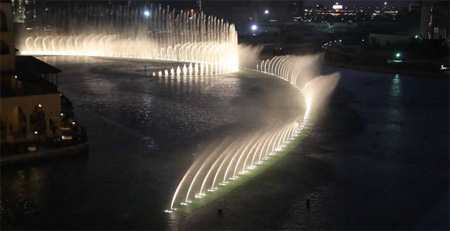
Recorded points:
434,19
6,37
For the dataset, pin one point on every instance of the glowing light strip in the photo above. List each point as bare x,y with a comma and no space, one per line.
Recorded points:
277,141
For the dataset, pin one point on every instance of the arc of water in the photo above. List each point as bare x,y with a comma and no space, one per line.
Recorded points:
243,146
228,155
267,152
241,155
275,144
249,154
210,171
198,172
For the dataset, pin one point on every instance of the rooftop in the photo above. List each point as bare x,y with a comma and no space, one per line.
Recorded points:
32,65
29,65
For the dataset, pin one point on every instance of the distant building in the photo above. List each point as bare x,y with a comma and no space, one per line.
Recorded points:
6,37
246,13
23,10
434,19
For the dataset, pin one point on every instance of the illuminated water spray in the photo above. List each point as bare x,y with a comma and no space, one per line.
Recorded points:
157,33
206,45
232,158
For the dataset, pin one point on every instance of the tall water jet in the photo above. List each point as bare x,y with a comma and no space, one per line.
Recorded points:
185,72
156,33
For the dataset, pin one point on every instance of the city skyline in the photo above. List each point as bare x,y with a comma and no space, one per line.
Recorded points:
356,3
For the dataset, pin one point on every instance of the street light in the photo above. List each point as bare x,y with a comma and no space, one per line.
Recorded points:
266,12
254,27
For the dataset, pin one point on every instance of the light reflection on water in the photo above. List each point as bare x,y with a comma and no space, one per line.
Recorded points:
142,131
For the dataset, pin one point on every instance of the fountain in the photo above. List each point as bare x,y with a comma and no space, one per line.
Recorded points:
206,46
224,163
155,33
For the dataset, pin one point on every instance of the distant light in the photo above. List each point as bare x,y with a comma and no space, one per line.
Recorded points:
35,132
337,7
147,13
340,40
39,105
15,76
266,12
254,27
398,55
73,123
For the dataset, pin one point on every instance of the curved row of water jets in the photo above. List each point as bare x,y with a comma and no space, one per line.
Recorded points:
183,37
196,69
233,158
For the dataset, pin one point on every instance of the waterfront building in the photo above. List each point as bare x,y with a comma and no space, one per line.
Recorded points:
34,114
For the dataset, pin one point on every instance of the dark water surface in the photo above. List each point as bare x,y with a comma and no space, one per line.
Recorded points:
376,159
143,133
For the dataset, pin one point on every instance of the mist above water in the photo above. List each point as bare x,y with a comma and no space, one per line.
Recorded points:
225,161
210,46
152,33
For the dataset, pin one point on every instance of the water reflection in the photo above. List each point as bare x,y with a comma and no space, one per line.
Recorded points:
184,86
142,132
396,86
24,194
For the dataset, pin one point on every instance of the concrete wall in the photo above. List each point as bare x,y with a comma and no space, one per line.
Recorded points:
45,154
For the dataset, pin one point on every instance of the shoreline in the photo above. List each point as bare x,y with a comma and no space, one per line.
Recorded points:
378,69
78,149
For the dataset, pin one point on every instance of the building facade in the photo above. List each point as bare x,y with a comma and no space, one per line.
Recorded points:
31,110
434,19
